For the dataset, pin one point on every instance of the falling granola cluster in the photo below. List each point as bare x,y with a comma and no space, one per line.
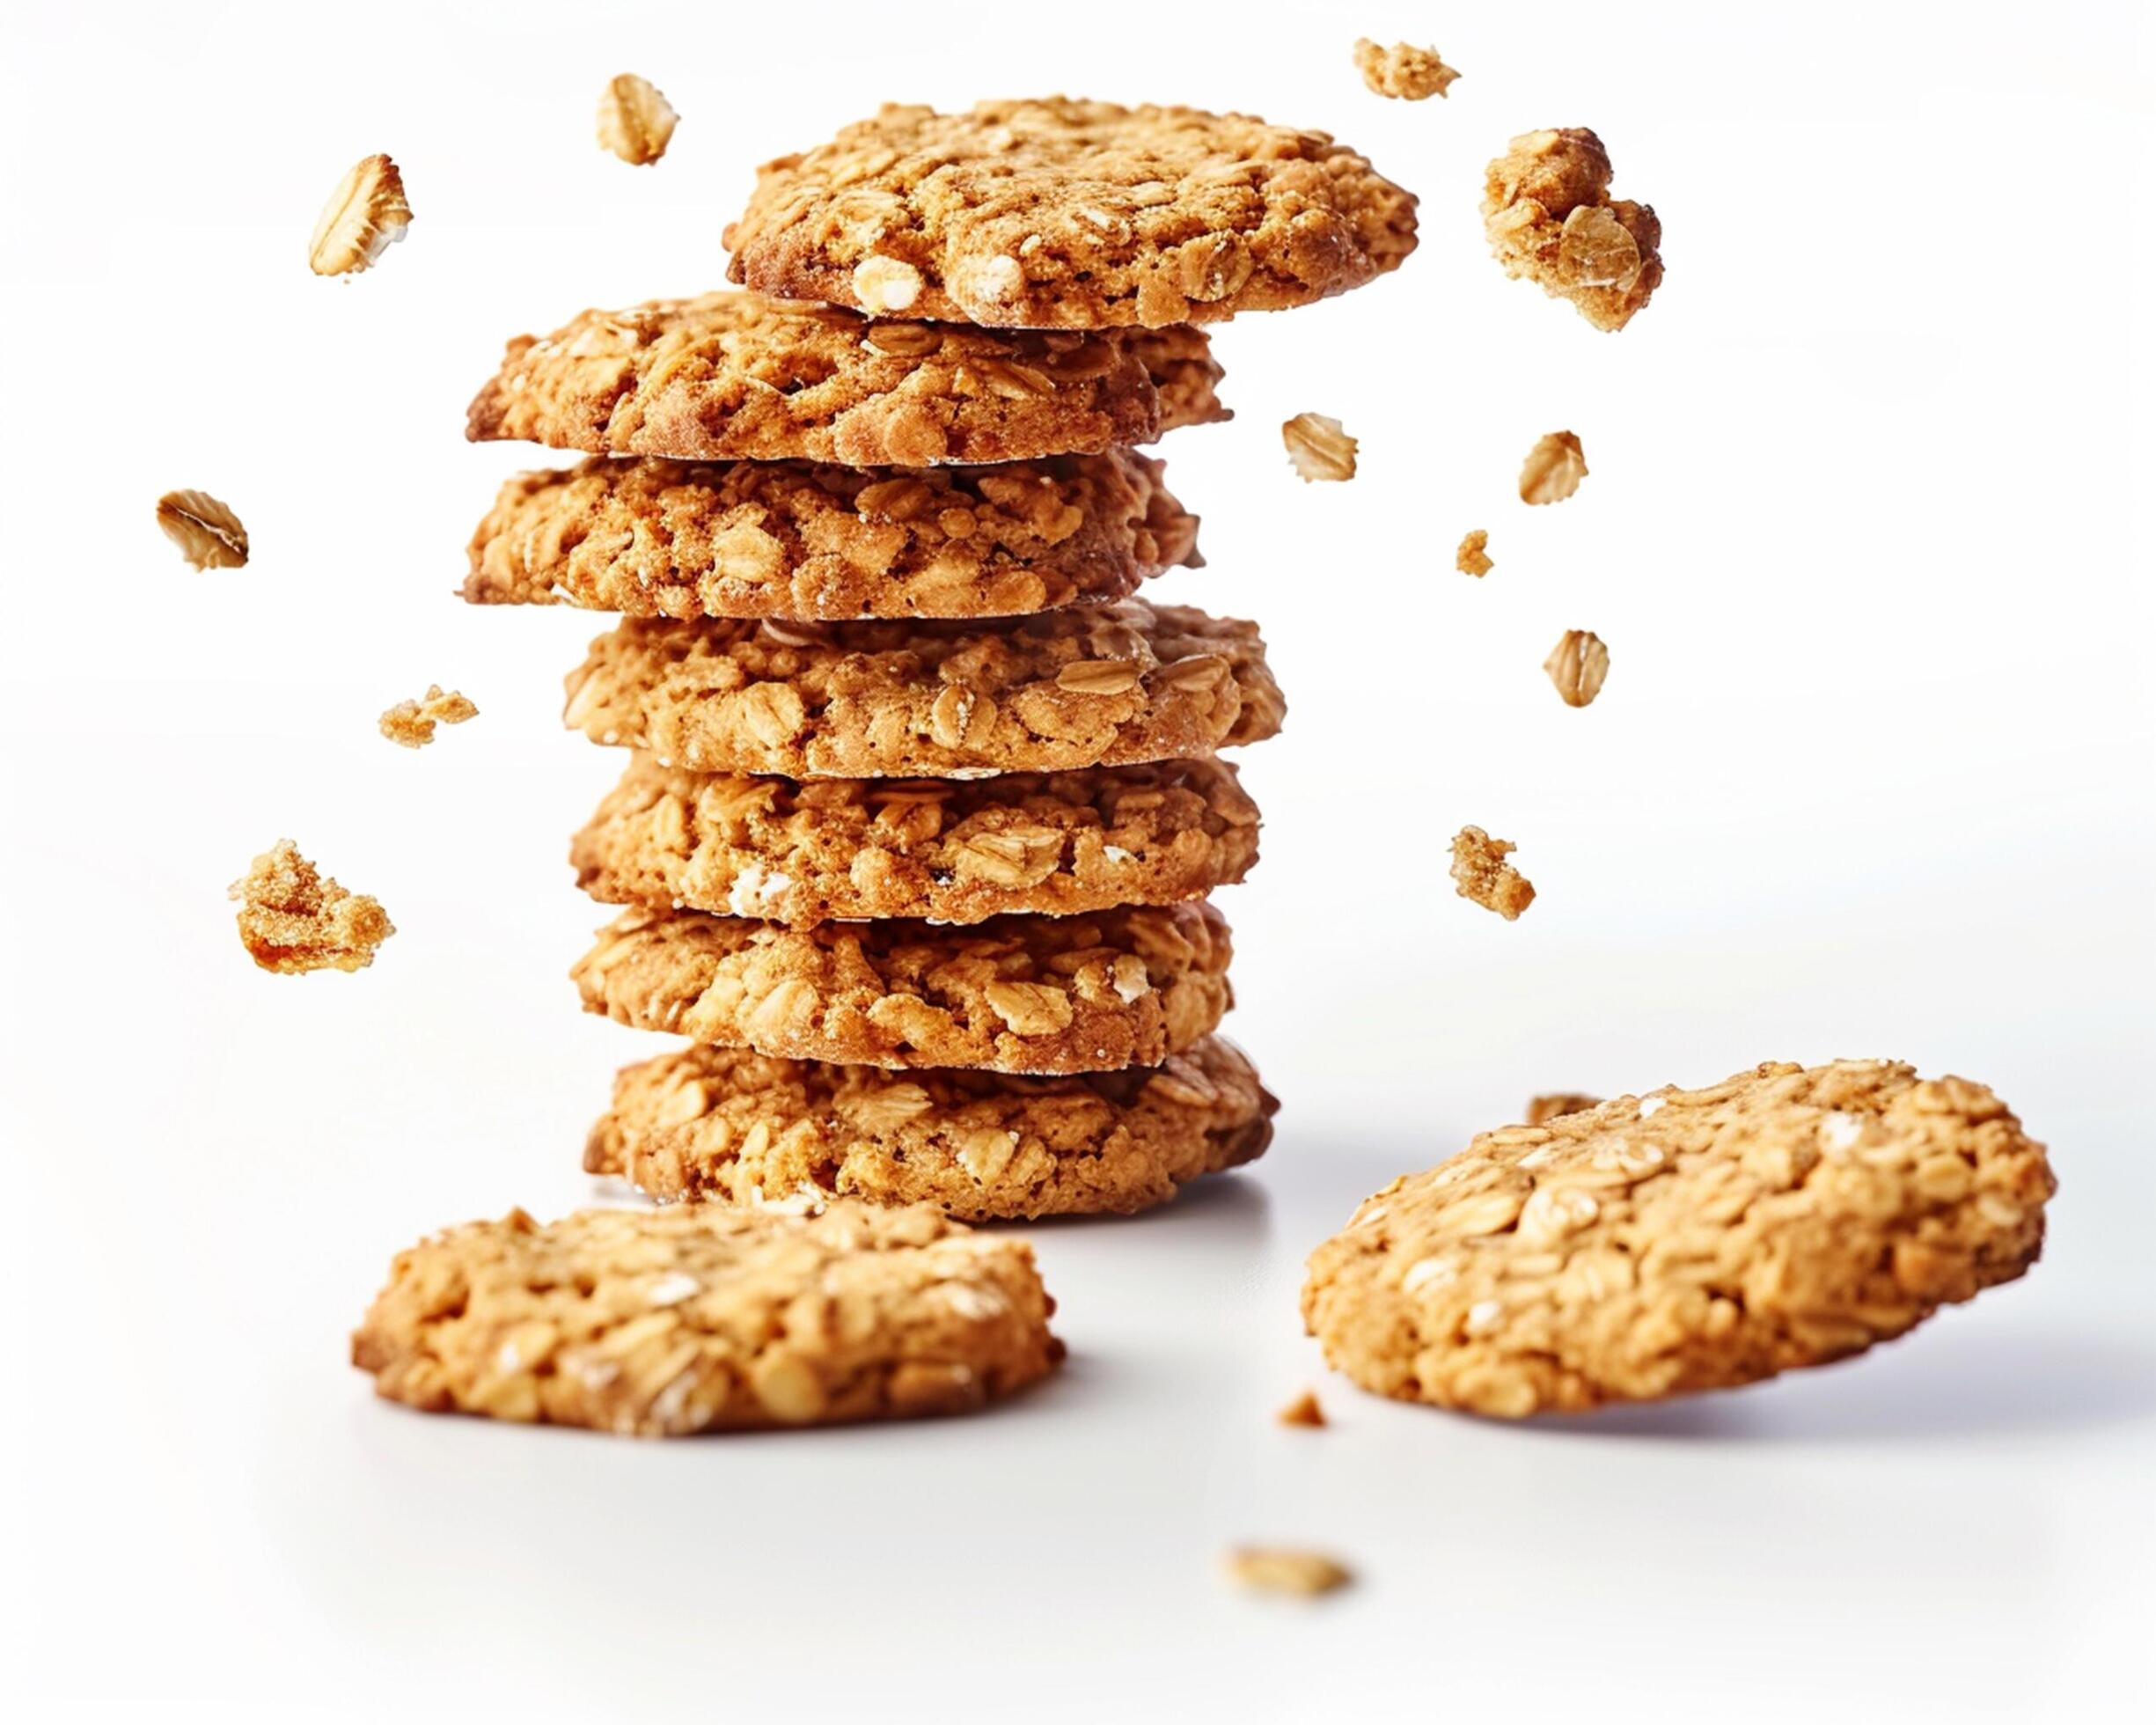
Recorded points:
1549,216
293,919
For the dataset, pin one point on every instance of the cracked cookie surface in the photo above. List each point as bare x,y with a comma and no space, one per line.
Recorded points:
1019,993
816,542
1687,1240
735,377
1089,686
1072,214
950,851
720,1124
702,1318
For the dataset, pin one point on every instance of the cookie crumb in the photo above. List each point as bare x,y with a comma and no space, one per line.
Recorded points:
411,724
1303,1411
1480,867
635,122
1473,557
1403,71
1550,218
1319,447
293,919
1577,664
1542,1108
1553,468
1278,1569
365,216
206,531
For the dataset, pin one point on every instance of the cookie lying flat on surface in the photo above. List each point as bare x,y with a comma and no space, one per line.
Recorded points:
1089,686
657,1324
1069,214
802,540
1021,994
734,377
1687,1240
716,1123
950,851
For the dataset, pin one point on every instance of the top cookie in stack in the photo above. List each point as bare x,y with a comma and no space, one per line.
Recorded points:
882,658
1069,214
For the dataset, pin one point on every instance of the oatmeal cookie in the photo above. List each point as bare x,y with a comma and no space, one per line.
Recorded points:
1020,994
720,1124
1069,214
950,851
1547,212
660,1324
814,542
1682,1241
733,377
1091,686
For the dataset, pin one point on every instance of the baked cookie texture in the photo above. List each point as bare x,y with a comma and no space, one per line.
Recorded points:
1089,686
1069,214
1547,212
1682,1241
1021,994
697,1319
740,1128
950,851
812,541
734,377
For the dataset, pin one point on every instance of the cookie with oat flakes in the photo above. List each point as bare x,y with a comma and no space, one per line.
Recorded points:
1018,994
658,1324
735,377
948,850
1687,1240
812,541
1088,686
1069,214
736,1127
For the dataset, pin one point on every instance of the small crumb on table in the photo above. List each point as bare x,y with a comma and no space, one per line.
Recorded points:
1278,1569
1473,557
1303,1411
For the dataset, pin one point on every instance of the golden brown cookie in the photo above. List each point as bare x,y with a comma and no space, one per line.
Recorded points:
1021,994
732,377
717,1123
950,851
1069,214
1091,686
814,542
700,1318
1682,1241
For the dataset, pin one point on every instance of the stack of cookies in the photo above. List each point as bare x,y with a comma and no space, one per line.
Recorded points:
925,805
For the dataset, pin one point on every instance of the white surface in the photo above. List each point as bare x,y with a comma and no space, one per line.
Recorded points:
1870,777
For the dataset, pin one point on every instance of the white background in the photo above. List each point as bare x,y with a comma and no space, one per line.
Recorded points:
1870,777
